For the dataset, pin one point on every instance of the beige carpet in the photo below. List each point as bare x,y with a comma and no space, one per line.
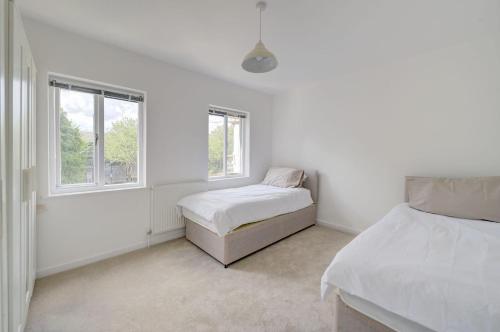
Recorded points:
177,287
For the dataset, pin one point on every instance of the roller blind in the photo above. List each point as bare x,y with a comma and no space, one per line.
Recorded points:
222,111
58,83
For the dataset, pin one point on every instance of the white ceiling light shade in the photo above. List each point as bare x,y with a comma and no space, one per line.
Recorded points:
260,59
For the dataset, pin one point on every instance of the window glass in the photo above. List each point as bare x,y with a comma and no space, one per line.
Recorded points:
225,143
76,137
234,145
121,127
215,145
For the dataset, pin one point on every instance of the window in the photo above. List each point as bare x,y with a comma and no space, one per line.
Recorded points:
226,143
96,137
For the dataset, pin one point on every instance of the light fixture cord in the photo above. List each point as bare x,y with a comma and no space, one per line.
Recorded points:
260,24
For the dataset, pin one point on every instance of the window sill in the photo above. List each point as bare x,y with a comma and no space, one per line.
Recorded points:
228,178
94,191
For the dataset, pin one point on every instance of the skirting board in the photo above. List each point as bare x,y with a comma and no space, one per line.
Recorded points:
155,239
337,227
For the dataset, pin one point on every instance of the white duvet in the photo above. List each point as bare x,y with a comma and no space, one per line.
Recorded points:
227,209
441,272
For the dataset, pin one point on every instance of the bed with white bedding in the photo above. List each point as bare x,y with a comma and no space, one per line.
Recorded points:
230,224
415,271
222,211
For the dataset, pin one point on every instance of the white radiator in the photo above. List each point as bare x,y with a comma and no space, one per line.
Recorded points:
164,214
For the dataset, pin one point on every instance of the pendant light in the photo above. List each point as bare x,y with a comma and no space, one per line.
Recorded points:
260,60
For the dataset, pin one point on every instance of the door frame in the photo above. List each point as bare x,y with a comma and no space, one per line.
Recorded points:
4,290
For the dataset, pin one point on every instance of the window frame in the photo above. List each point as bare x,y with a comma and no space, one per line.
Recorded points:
98,185
244,138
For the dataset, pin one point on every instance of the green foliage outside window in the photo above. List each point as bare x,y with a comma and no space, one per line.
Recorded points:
120,146
216,149
75,152
77,148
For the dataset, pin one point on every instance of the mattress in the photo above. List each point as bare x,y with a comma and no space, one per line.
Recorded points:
222,211
439,272
389,319
198,219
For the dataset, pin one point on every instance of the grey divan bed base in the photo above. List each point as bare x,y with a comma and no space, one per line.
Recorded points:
348,319
251,237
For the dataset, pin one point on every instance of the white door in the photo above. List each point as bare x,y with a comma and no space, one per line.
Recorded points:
28,195
21,162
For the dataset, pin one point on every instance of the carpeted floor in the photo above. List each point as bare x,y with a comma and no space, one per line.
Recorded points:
177,287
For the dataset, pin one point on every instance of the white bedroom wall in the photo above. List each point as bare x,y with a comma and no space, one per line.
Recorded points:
435,114
77,229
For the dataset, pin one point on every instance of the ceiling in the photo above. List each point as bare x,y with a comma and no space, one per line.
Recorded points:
312,39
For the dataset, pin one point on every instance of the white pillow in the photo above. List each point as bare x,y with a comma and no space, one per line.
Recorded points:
283,177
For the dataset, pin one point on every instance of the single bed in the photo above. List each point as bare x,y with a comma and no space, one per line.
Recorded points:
417,271
230,224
